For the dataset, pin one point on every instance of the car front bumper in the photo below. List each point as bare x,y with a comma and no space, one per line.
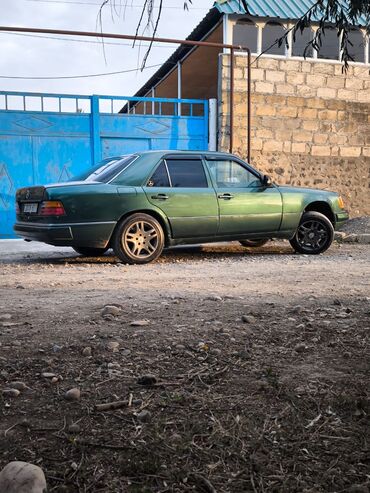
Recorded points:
341,218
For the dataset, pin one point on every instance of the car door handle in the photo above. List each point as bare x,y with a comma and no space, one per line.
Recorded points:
160,196
225,196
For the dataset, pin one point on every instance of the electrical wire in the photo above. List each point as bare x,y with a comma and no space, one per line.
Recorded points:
81,76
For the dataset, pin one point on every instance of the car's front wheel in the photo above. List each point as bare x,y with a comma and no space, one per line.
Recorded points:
89,252
253,243
138,239
314,235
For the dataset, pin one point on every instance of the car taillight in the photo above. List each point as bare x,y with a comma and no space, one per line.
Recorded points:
340,202
51,208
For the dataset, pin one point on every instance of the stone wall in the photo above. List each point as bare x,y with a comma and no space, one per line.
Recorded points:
310,124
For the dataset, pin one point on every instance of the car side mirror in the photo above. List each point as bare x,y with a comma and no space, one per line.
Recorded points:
266,181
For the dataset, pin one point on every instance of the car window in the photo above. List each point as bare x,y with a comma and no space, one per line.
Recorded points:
229,174
187,173
105,170
159,177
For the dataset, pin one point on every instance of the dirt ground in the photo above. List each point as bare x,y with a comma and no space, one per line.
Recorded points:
230,370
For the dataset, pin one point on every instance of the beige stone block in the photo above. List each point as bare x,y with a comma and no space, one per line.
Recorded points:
335,104
354,83
312,125
266,87
275,99
290,65
335,82
338,139
264,133
268,63
240,85
266,110
342,115
307,113
326,92
327,114
306,91
287,146
320,138
316,80
362,72
290,111
275,76
347,94
350,151
272,146
257,74
285,89
296,78
366,151
283,135
323,68
320,151
296,101
306,67
317,103
363,96
334,151
239,73
302,136
339,69
256,144
299,147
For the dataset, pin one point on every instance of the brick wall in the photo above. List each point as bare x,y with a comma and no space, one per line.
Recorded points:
310,124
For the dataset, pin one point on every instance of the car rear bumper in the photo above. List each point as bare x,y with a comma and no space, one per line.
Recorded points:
95,235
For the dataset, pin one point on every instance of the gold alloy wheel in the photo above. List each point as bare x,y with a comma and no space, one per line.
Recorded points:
140,239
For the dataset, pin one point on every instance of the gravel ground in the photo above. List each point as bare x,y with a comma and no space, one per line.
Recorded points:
357,225
256,366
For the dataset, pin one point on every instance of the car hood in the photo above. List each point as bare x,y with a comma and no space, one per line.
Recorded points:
291,189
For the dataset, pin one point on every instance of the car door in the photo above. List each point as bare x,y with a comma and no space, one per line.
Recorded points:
246,205
180,187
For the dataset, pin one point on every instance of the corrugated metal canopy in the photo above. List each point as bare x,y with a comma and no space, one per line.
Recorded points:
282,9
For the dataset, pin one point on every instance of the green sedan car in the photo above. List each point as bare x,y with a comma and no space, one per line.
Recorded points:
140,203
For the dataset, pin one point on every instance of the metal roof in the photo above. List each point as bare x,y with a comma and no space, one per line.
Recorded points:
282,9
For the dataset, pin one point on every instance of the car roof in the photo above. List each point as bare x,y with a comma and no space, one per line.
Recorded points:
184,152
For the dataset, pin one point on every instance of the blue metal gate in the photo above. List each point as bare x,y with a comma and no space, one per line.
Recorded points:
48,138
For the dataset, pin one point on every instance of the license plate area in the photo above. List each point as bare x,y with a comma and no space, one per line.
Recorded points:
30,208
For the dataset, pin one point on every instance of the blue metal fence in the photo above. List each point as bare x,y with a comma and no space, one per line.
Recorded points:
46,138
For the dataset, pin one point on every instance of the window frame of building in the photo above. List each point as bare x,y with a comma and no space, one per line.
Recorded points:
267,46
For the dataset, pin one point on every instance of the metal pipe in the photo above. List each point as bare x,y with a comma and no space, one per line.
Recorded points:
249,105
151,39
231,100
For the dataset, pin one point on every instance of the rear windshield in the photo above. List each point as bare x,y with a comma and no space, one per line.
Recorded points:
106,169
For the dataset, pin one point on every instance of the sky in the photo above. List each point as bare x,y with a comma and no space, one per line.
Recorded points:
41,56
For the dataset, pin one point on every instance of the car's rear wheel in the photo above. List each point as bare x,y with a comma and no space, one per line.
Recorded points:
89,251
138,239
254,243
314,235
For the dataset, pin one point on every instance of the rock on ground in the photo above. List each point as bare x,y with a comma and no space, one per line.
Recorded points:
22,477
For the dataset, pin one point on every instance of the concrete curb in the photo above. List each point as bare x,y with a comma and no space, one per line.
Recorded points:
363,238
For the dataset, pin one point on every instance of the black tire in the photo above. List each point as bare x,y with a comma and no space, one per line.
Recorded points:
253,243
89,251
138,239
314,235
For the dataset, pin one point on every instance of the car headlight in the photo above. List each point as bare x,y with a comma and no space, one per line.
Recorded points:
340,202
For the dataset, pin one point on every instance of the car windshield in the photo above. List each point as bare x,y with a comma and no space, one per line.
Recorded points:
107,169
